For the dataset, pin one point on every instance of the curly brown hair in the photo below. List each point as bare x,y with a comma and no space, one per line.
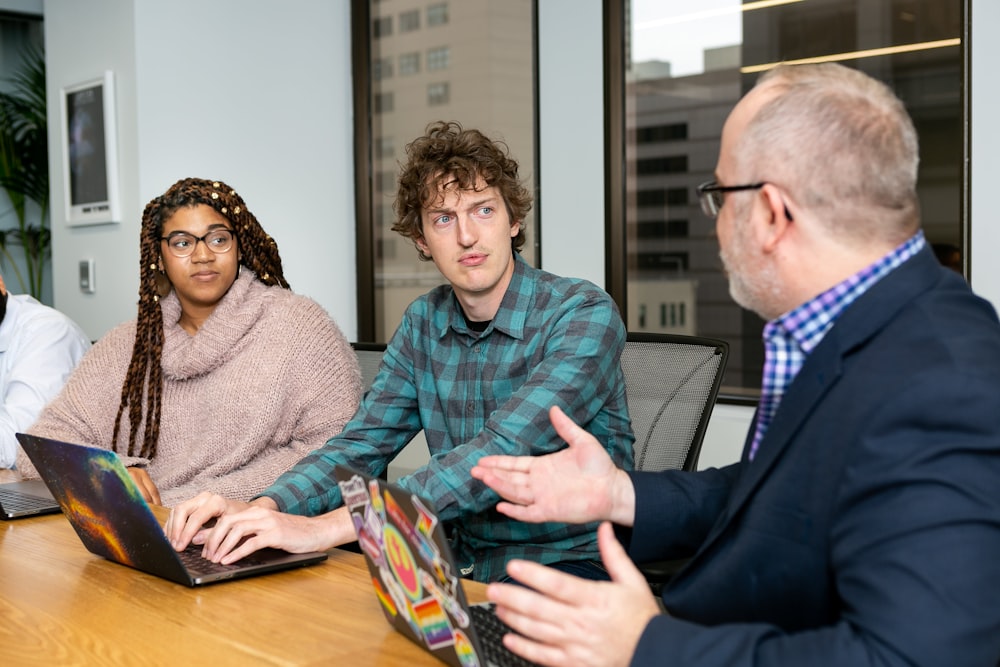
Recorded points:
142,388
448,153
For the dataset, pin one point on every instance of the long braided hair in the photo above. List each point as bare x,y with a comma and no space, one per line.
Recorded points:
143,384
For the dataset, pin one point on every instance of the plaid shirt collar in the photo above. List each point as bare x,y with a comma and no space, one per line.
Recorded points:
510,318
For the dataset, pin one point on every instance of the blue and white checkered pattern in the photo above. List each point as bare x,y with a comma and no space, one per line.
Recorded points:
789,339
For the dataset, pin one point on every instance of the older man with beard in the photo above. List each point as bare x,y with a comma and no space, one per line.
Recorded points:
862,524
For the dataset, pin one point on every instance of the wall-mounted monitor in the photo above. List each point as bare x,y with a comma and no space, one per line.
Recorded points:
90,152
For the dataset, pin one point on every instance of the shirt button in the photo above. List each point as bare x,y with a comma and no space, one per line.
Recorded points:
470,407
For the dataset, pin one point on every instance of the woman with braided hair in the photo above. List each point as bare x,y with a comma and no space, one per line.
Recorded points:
226,378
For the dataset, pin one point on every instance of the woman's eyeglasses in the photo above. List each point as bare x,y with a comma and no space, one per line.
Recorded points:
182,244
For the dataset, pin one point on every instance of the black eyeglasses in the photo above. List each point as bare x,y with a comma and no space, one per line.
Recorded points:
182,244
712,195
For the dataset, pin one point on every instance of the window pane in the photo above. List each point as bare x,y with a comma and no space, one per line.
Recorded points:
437,14
459,81
409,20
687,64
409,63
438,58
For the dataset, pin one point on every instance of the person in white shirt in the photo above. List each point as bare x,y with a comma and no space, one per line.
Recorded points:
39,348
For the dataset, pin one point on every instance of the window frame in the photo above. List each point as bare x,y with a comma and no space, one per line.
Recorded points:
367,251
616,28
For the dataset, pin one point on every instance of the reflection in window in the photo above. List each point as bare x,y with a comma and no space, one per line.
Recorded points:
401,107
686,65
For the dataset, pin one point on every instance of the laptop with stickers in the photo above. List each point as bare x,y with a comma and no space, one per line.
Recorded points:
112,519
415,577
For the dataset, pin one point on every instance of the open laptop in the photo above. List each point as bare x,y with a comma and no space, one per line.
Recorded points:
108,512
415,576
26,498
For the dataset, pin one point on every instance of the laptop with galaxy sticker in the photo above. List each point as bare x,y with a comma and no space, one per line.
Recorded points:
415,576
109,514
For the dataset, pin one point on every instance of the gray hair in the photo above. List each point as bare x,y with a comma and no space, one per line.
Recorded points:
842,144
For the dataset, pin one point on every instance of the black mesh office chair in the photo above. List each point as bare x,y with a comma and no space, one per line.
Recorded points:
671,384
369,358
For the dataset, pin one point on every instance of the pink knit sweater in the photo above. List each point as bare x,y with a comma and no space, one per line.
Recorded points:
268,378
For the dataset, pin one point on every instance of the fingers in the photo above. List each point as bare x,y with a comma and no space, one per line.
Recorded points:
529,513
549,585
567,428
144,490
237,535
517,606
535,652
616,560
187,519
499,463
511,482
154,493
511,486
538,612
145,485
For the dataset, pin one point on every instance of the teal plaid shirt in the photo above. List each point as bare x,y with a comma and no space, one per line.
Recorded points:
554,341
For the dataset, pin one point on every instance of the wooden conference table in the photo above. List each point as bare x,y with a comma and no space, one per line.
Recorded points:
61,605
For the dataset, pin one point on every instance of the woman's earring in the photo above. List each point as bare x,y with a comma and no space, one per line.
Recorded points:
163,284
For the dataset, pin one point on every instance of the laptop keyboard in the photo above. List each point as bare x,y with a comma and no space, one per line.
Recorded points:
196,563
14,501
490,630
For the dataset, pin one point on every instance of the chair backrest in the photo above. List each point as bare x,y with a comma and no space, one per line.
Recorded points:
369,358
671,383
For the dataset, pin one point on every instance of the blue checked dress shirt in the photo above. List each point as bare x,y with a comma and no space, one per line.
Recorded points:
554,341
789,339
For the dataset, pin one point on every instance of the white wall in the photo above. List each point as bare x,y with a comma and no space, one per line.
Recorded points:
985,167
255,93
81,42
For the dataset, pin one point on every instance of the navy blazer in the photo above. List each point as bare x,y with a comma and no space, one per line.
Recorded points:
867,529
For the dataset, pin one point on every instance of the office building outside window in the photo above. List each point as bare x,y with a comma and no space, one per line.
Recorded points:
409,21
409,63
438,94
438,59
381,69
686,65
458,82
437,14
382,27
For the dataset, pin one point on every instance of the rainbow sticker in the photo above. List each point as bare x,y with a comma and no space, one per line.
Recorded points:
465,651
384,597
433,623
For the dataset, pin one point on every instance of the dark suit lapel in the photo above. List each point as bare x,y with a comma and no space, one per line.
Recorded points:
820,372
861,321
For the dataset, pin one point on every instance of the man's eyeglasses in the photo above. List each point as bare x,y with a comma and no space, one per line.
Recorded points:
712,195
182,244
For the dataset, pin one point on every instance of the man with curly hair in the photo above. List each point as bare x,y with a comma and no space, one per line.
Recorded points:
475,364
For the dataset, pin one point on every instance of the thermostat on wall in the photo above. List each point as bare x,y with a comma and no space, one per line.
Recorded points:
87,276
